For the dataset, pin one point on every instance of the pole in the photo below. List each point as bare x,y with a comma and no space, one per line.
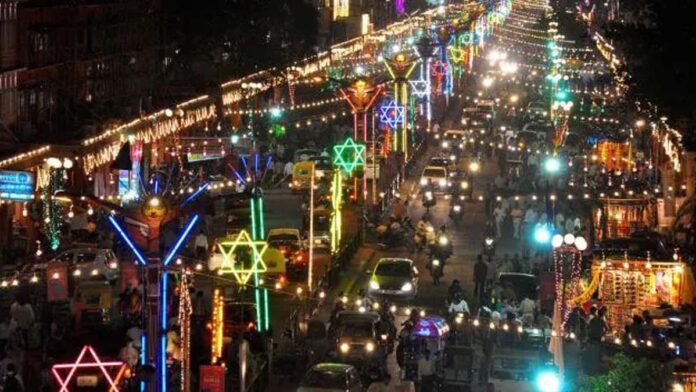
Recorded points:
310,266
374,162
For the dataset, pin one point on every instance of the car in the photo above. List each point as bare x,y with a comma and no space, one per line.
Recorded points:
439,162
537,110
304,154
322,227
289,242
453,138
523,285
397,277
357,337
486,107
239,318
88,262
435,175
331,377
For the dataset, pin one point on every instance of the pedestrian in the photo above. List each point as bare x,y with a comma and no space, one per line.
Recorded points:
426,372
597,327
480,276
8,328
499,216
130,353
12,382
492,275
23,314
287,171
516,214
201,245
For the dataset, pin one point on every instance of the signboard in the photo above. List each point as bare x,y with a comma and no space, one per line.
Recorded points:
16,185
57,282
212,379
197,156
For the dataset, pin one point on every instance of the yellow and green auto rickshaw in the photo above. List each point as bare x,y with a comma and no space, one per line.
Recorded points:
301,176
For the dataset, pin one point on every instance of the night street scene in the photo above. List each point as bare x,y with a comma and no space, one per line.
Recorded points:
347,195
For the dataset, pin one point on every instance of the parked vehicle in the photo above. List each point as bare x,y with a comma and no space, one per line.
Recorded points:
88,263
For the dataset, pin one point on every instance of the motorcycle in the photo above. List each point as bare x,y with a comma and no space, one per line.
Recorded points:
428,200
455,211
423,239
393,239
441,248
435,267
489,246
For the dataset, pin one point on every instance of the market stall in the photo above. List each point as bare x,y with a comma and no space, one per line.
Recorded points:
629,287
615,155
621,217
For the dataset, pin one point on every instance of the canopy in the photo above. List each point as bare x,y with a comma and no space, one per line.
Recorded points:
431,326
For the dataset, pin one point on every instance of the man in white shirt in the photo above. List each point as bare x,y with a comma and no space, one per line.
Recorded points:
499,215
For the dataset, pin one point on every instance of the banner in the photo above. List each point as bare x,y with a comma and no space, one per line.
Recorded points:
57,282
212,379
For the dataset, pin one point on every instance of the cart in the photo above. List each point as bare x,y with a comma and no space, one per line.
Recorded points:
458,364
429,333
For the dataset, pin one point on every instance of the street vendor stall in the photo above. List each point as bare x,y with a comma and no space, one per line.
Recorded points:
629,287
621,217
615,155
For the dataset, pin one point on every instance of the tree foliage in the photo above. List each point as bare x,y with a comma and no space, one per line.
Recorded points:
627,375
658,39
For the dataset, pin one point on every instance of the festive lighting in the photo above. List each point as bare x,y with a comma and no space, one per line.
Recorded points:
242,247
83,362
217,325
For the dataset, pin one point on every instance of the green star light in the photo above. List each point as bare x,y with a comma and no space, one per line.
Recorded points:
349,155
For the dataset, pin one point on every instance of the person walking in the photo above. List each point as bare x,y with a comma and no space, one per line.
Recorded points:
516,214
480,276
23,314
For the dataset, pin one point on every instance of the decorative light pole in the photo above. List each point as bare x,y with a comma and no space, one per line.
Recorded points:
422,88
347,157
360,95
567,266
400,66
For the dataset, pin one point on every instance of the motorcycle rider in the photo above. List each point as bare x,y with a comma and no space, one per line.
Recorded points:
454,289
441,246
458,305
424,232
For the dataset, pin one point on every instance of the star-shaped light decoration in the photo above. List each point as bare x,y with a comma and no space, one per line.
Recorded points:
349,155
420,88
391,114
439,68
231,252
84,363
456,54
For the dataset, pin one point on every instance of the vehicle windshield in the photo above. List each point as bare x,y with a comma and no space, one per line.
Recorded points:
322,222
86,257
393,269
282,239
356,331
433,173
438,161
522,285
325,379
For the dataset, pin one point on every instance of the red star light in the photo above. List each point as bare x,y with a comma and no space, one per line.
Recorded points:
81,363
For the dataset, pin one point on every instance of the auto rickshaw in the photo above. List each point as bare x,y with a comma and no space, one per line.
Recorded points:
95,296
429,333
301,176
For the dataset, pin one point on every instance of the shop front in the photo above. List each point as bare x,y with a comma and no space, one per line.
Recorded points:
622,217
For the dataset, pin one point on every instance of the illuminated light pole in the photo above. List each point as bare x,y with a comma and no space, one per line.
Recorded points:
443,39
567,265
310,262
422,88
255,171
347,157
157,210
400,66
360,95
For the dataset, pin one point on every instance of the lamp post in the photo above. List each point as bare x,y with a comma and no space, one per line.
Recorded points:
567,265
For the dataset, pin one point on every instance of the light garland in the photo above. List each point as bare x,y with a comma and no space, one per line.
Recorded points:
41,151
185,310
217,325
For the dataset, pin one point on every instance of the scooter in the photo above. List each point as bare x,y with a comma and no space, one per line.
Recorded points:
428,200
455,210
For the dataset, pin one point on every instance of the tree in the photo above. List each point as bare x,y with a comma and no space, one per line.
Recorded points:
627,375
657,38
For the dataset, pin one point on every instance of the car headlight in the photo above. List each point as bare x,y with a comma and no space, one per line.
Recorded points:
423,181
370,347
457,208
445,144
344,347
465,185
442,182
408,286
95,272
374,285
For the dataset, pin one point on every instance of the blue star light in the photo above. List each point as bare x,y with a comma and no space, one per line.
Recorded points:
391,114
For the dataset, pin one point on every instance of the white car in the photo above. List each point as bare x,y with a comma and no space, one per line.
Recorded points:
303,155
90,262
435,175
